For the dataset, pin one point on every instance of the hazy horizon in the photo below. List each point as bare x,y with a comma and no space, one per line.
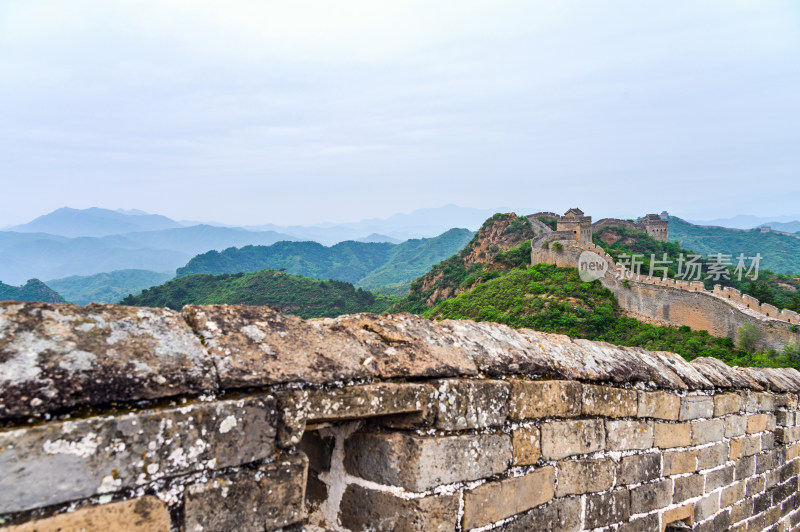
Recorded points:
308,112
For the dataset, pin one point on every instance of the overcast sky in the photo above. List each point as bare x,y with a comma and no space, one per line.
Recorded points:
302,111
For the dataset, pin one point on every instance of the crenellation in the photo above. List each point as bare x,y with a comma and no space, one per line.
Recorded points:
721,311
565,435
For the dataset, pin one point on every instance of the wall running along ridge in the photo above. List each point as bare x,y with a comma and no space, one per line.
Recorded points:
721,312
241,418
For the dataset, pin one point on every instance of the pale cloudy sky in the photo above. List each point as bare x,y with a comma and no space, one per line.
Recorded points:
303,111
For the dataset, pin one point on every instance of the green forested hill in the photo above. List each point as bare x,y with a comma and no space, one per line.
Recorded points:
552,299
366,264
33,290
293,294
781,252
106,287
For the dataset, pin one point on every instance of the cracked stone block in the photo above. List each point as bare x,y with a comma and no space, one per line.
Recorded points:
253,499
54,357
567,438
67,460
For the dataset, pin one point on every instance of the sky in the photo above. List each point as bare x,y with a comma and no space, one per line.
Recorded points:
301,112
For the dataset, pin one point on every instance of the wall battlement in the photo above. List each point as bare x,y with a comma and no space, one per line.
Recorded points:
724,316
242,418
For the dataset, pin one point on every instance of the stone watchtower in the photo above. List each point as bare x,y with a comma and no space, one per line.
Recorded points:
656,226
575,222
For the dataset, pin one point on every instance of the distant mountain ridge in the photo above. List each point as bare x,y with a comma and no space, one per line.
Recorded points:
368,265
94,221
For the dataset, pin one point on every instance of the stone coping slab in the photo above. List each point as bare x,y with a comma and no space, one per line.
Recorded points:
57,357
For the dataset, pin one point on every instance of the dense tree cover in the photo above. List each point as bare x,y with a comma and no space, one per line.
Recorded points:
33,290
107,287
293,294
366,264
552,299
777,289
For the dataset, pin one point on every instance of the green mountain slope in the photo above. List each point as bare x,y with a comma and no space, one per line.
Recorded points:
413,258
552,299
33,290
304,297
781,252
502,242
107,287
369,264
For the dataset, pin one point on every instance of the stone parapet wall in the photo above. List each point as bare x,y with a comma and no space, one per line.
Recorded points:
241,418
721,311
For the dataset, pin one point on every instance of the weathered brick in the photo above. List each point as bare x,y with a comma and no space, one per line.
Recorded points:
684,514
680,462
607,508
707,431
668,435
735,426
652,496
625,435
786,418
711,457
718,478
788,434
727,403
745,467
567,438
706,507
767,440
145,514
732,494
646,523
271,496
659,405
584,476
609,402
751,445
75,459
366,509
754,486
792,451
756,423
560,515
419,463
543,399
687,487
639,468
526,445
742,510
470,404
735,449
494,501
759,402
696,406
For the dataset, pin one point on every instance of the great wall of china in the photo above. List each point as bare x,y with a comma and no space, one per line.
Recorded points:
233,418
721,311
223,418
